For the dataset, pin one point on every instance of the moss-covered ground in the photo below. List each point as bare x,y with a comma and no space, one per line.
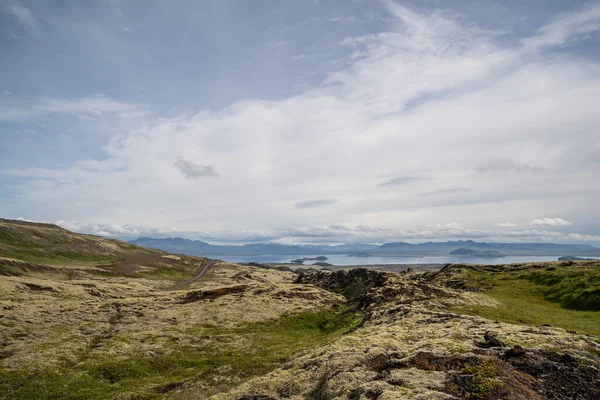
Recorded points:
212,368
566,297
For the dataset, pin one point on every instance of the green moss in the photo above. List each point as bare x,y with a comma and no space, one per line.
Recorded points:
483,380
265,346
546,296
576,288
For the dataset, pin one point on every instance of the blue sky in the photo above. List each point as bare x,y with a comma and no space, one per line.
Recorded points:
303,121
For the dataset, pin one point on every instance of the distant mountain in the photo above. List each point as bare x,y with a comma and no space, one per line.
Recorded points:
521,249
200,248
173,245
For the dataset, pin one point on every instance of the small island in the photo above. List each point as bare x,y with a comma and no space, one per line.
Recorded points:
476,253
574,258
300,261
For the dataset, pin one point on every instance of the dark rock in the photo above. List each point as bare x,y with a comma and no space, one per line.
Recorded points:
490,341
559,376
354,284
373,394
516,351
382,375
395,382
212,294
169,387
355,394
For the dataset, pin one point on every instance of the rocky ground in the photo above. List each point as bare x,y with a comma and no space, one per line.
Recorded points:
410,345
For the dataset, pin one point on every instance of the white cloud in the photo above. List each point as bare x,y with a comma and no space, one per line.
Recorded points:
550,222
433,98
109,230
24,16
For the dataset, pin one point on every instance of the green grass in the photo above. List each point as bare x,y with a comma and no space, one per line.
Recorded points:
546,296
175,273
53,245
264,346
575,288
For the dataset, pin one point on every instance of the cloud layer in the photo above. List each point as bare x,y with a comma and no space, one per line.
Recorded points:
435,129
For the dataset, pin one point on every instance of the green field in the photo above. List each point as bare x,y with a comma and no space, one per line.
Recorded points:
566,297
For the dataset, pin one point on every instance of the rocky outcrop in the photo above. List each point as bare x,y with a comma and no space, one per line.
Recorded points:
410,345
198,295
357,285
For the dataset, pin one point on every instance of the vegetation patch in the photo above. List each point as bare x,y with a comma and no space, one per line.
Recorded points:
566,297
212,366
483,382
576,288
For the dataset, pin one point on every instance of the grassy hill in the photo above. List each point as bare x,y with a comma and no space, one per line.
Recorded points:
84,317
38,242
563,294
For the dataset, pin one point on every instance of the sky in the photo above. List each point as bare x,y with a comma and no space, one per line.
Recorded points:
237,121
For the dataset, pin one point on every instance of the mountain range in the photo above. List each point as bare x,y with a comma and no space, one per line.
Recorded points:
197,247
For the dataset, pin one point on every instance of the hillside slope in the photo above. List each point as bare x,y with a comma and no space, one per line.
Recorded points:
110,327
34,241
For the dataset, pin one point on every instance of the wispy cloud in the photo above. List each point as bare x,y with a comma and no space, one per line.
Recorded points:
403,180
94,105
505,165
315,203
567,27
550,222
343,20
23,16
443,192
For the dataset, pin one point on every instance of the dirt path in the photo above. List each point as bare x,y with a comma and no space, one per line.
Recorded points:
194,279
